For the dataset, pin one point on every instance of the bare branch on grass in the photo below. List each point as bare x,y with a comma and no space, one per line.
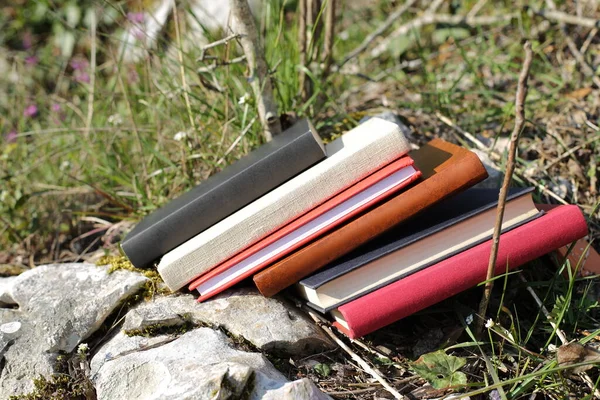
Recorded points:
90,108
216,43
221,63
510,167
560,16
329,33
378,32
303,48
258,76
363,364
428,19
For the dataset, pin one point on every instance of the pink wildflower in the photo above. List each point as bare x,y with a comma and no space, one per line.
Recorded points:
31,60
30,111
135,17
11,137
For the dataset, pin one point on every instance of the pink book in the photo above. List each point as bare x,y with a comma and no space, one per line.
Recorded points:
334,212
559,227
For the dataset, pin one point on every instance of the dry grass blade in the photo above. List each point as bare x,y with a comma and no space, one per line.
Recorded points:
355,356
510,167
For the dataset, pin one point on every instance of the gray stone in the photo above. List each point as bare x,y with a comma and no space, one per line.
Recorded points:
59,306
201,364
5,285
270,324
495,176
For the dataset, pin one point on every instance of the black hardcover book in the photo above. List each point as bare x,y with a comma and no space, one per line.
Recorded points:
448,213
224,193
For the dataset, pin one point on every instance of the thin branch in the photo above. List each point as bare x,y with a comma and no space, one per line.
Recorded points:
216,43
382,28
429,19
258,76
184,85
221,63
354,356
510,167
303,48
560,16
90,109
329,33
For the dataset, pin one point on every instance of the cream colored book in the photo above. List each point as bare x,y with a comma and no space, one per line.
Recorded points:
350,158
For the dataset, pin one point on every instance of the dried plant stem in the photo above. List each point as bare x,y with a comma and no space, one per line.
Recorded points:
510,167
428,19
302,41
258,74
184,84
559,333
322,323
90,108
378,32
559,16
329,33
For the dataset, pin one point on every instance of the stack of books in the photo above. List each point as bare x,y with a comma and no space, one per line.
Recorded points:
364,229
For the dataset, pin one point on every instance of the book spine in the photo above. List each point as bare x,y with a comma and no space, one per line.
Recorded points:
365,149
321,252
402,298
252,271
222,194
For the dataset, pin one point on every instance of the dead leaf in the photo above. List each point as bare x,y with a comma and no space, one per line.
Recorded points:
575,352
579,93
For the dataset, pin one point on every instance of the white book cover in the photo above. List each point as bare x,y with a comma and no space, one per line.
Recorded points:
350,158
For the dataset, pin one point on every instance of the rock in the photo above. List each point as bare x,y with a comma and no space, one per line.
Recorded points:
5,285
495,176
201,364
270,324
59,306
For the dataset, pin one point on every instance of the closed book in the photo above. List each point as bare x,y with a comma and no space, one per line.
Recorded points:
350,158
447,228
558,227
224,193
446,169
345,205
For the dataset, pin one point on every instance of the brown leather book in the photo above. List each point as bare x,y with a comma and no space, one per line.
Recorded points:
446,169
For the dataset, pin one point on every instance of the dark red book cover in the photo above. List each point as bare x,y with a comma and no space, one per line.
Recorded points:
559,227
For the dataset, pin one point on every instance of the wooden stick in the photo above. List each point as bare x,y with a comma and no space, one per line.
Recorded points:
364,365
510,167
258,76
559,16
382,28
303,48
329,33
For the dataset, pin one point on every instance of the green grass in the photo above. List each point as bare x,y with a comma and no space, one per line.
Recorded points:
97,159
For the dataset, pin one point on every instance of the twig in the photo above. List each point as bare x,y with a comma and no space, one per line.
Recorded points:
258,76
587,70
90,110
237,140
560,16
182,69
221,63
216,43
510,167
354,356
329,33
559,333
466,134
429,19
352,392
588,40
476,8
382,28
570,152
303,48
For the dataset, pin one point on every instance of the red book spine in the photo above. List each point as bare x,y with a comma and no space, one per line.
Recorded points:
559,227
316,212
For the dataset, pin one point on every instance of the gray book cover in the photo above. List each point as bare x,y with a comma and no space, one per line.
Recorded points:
224,193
